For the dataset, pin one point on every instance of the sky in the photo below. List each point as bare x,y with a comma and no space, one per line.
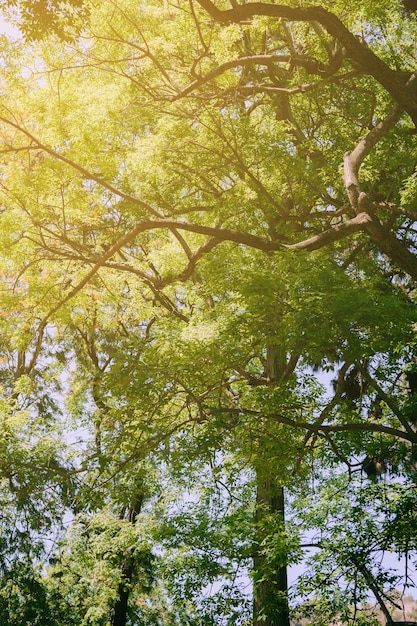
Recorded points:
8,29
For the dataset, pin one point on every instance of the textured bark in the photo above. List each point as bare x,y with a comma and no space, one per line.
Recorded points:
379,234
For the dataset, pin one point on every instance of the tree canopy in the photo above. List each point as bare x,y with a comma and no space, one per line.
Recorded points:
208,358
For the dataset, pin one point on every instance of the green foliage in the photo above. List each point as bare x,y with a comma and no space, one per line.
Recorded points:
24,598
40,18
163,337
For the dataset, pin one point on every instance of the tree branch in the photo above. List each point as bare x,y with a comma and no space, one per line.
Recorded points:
323,428
90,176
331,235
354,159
356,50
257,59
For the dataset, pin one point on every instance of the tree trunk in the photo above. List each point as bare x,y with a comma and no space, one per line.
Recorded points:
270,592
128,570
270,603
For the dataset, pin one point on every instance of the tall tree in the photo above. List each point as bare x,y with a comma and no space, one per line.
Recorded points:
173,215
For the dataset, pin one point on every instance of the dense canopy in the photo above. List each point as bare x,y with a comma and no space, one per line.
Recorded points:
208,351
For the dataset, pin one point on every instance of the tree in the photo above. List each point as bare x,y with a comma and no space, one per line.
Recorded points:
180,246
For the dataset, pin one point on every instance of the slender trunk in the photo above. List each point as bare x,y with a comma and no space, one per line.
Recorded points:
128,570
270,604
270,597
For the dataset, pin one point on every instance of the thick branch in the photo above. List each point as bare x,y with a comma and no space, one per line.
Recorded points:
387,243
359,427
334,233
220,234
253,241
325,428
217,235
380,235
354,159
373,586
387,399
356,50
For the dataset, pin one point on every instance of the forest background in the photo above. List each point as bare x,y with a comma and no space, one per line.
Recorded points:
206,210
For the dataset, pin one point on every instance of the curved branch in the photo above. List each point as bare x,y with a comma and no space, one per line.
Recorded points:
364,427
98,179
312,427
360,203
257,59
357,427
387,243
100,263
356,49
335,233
354,159
219,234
